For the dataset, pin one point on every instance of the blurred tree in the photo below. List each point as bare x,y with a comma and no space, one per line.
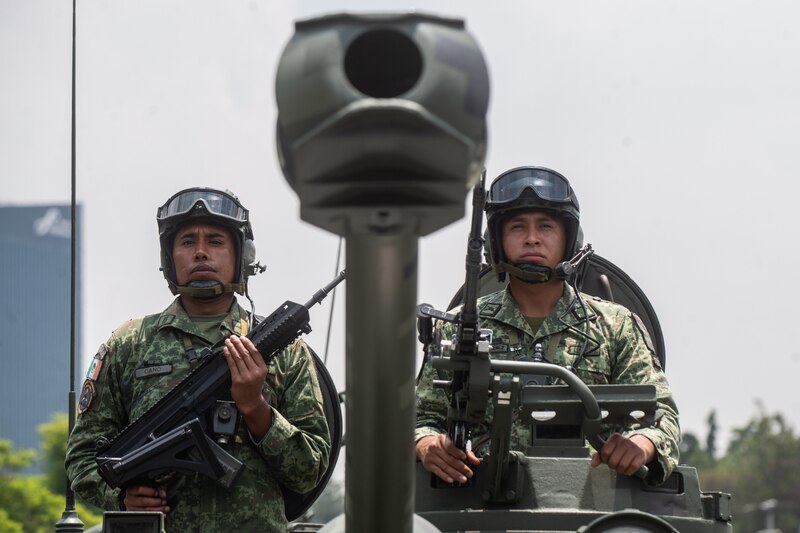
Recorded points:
762,464
711,438
26,504
54,450
693,453
7,525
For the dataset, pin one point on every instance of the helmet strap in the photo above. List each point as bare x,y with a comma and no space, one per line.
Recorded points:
206,290
526,271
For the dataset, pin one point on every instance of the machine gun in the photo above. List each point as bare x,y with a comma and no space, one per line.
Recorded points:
471,344
174,434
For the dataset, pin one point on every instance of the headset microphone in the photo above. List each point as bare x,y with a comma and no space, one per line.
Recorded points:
565,269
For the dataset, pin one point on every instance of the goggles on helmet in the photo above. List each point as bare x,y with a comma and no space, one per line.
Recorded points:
216,203
546,184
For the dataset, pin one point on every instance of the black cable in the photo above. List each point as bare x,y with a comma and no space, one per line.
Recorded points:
333,301
586,334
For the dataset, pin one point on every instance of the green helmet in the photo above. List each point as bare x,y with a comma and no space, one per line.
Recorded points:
221,208
525,189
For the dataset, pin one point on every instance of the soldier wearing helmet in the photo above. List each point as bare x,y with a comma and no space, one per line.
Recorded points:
281,434
533,220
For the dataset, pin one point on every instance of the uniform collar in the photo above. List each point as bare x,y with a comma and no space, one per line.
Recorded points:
502,307
175,317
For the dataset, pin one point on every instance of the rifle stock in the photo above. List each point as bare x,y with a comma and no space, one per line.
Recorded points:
156,444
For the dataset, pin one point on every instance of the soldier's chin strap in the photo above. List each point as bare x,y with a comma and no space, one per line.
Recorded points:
206,290
536,273
526,271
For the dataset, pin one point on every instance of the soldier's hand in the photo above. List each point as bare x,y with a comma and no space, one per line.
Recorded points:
441,457
141,498
248,371
625,455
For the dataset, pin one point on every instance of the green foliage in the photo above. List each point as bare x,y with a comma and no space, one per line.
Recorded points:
54,450
7,525
11,460
26,503
762,464
692,452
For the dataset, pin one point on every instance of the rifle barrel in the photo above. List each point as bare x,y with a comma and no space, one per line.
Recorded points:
323,292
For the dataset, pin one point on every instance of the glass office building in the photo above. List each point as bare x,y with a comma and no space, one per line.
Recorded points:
35,319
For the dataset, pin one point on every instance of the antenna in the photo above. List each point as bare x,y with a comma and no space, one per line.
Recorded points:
333,301
70,522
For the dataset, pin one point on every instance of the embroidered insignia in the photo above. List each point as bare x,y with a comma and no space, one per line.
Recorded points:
150,371
94,369
87,395
97,363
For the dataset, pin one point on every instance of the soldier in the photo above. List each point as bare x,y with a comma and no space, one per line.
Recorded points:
207,254
533,225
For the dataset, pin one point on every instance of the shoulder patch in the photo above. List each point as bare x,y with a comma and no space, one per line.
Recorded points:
101,352
87,395
97,363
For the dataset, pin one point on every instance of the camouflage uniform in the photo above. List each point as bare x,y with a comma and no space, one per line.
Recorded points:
624,355
147,357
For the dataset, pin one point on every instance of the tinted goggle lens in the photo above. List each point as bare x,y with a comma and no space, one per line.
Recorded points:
547,186
216,203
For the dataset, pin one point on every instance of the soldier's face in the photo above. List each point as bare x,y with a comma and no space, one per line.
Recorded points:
534,237
204,252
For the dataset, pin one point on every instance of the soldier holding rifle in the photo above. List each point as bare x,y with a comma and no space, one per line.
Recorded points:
533,228
274,419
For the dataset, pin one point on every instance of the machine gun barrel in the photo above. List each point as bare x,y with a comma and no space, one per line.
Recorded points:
190,401
465,399
469,311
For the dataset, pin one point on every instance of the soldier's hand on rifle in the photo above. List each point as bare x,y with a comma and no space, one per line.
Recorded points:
441,457
142,498
625,455
248,371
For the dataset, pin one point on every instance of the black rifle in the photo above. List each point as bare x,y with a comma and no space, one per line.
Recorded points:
471,344
173,435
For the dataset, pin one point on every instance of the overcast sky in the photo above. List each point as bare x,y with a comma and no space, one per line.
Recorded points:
675,121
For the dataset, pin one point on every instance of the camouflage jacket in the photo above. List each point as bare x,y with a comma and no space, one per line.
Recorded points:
141,362
623,353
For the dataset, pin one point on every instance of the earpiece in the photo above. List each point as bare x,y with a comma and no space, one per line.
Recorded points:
249,252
